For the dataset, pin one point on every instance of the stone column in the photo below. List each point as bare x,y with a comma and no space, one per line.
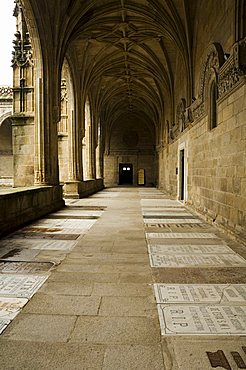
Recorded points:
23,104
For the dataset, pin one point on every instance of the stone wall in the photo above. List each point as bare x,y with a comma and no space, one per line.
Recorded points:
131,142
216,165
20,206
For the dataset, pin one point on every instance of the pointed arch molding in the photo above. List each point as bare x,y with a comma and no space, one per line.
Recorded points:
229,71
212,62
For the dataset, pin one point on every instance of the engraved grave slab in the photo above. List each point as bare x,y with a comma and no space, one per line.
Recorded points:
65,223
55,245
26,267
189,249
202,319
49,230
20,285
38,244
188,260
10,307
20,255
172,221
200,293
161,202
181,236
33,235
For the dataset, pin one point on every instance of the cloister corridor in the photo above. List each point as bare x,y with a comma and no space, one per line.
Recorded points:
123,185
124,279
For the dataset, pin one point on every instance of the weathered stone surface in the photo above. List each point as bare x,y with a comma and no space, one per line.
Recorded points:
116,330
40,328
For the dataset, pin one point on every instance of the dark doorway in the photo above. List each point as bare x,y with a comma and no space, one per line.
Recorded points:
125,173
182,169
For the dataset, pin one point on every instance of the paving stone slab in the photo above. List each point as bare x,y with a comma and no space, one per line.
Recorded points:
10,307
189,249
87,277
26,267
122,290
188,260
55,356
20,285
133,357
116,330
202,319
63,305
40,328
200,293
108,267
127,306
67,288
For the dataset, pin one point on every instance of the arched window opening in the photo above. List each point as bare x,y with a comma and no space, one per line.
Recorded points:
213,92
98,155
86,144
6,154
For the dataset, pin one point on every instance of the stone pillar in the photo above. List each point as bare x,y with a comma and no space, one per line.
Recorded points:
23,104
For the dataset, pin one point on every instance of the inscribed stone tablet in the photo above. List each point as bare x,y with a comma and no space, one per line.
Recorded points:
49,230
189,249
55,245
20,255
20,285
26,267
172,221
202,320
188,260
10,307
200,293
67,223
181,236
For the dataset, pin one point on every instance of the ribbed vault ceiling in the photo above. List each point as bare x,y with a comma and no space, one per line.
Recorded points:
125,52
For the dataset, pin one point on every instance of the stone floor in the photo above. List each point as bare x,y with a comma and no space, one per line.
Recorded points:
125,279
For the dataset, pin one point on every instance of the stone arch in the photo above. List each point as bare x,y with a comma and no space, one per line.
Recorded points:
6,152
5,116
212,103
212,61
